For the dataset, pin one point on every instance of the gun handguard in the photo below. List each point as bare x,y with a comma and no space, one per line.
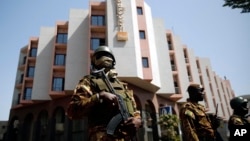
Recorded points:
215,117
123,115
216,110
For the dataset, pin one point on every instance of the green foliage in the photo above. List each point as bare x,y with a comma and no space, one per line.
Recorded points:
169,127
239,4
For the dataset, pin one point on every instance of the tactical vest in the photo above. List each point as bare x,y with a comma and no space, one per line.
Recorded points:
119,87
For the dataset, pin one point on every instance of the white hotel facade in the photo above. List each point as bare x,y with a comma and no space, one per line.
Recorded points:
152,60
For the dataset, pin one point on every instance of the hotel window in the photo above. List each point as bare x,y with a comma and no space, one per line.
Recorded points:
18,99
78,129
31,71
43,124
58,84
176,85
27,93
173,66
59,124
142,34
185,55
96,42
148,114
170,46
198,66
59,60
139,11
145,62
208,76
97,20
33,52
62,38
24,60
21,79
189,74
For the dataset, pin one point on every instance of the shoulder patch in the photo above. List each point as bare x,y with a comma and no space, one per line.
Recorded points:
186,105
190,114
237,121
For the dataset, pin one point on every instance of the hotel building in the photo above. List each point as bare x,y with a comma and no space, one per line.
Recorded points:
150,58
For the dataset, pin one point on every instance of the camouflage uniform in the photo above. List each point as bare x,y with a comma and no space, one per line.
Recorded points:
196,126
86,102
237,120
234,122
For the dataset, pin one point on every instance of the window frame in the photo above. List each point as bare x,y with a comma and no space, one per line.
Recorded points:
142,34
27,93
62,38
97,20
58,84
96,42
33,52
139,10
59,59
30,71
145,63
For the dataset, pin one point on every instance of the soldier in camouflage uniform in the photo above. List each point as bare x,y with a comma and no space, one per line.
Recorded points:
239,105
93,99
195,123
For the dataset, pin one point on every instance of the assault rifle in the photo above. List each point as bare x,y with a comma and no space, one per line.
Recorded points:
216,111
214,120
123,112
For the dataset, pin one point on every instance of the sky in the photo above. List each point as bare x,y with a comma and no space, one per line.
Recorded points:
219,33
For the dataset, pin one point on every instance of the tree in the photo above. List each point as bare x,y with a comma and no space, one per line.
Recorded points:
169,127
239,4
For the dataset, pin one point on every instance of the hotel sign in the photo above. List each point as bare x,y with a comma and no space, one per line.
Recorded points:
121,35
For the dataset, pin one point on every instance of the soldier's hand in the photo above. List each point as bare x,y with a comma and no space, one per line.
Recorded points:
133,123
216,122
108,96
130,126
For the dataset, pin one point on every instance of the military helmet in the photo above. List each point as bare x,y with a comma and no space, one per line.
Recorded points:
237,102
194,87
100,51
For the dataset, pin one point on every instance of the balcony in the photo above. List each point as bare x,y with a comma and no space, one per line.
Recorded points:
60,46
170,47
19,86
21,67
98,29
59,68
177,90
57,94
190,78
173,67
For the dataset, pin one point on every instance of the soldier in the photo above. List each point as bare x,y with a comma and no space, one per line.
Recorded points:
240,110
216,122
196,125
92,98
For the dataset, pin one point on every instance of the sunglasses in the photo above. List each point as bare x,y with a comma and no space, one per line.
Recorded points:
99,55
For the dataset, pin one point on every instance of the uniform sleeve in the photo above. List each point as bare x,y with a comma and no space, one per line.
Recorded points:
237,121
130,93
137,113
82,100
187,117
